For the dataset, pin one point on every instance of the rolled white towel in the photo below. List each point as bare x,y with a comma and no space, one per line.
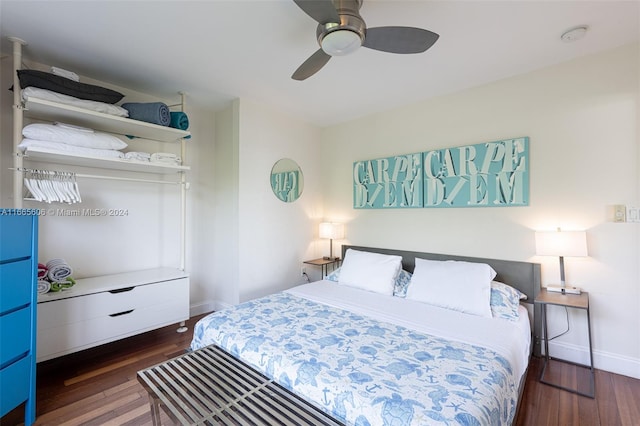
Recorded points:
59,269
43,286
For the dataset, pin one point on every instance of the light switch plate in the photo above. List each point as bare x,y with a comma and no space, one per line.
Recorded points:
633,214
619,213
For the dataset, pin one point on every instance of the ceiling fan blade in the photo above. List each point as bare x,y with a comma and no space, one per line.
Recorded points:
399,39
323,11
311,66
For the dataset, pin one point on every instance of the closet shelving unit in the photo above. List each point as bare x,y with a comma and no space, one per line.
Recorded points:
101,309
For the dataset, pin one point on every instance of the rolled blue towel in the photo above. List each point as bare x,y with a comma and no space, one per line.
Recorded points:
151,112
179,120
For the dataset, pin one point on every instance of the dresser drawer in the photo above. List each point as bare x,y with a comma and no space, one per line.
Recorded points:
70,325
15,335
16,284
63,339
14,386
16,241
84,308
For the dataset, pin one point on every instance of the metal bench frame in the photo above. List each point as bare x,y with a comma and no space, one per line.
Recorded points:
209,386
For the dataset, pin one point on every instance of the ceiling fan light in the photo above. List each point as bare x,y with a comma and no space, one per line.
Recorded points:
341,42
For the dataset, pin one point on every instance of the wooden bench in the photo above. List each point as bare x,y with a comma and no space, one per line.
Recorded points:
209,386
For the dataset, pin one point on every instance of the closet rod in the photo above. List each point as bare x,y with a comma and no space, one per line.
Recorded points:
80,175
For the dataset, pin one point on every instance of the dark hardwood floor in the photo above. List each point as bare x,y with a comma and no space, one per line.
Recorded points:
99,387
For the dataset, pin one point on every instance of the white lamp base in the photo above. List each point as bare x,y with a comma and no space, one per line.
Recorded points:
567,290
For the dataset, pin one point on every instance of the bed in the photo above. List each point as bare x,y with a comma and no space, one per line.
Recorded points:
368,357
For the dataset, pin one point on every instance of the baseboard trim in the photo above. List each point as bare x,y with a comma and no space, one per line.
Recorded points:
201,308
207,307
602,360
217,305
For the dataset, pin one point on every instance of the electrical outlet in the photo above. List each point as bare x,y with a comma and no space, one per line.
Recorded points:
633,214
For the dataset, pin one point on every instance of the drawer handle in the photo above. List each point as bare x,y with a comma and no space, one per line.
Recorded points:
121,290
121,313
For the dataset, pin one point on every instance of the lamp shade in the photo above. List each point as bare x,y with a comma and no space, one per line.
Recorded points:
331,230
561,243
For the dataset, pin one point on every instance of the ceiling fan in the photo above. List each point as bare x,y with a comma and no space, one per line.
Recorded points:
341,30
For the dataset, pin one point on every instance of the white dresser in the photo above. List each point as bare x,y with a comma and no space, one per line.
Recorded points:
110,307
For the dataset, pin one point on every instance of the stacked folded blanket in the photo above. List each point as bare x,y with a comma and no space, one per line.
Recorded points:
66,138
67,86
64,87
54,276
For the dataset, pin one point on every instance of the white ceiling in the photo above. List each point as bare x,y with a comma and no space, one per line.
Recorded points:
220,50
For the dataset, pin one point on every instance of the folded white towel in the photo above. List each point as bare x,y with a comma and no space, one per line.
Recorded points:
138,156
165,158
66,74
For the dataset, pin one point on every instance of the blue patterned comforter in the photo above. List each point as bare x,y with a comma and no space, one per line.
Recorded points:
363,371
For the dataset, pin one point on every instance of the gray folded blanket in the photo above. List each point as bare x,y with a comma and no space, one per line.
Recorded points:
151,112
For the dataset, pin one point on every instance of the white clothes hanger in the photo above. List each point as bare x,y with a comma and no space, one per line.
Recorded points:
53,186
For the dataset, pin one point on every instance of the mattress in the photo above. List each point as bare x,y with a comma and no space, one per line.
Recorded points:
370,359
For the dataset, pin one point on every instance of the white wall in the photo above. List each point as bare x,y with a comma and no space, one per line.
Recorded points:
582,120
260,240
224,258
274,236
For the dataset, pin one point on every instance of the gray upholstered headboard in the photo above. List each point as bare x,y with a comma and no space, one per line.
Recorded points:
524,276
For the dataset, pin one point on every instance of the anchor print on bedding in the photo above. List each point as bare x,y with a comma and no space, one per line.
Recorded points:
363,371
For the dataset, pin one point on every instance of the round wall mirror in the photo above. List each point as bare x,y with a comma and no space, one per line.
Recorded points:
287,181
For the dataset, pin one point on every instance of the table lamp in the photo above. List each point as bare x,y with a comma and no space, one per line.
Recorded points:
561,243
332,231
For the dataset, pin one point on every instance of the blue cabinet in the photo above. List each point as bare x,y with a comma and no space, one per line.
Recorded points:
18,306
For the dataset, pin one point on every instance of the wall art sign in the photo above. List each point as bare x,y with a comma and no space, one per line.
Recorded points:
490,174
392,182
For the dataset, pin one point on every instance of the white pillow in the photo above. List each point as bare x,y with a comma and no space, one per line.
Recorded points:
457,285
72,135
370,271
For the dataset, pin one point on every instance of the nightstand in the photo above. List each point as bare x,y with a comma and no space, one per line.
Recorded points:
324,264
574,301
